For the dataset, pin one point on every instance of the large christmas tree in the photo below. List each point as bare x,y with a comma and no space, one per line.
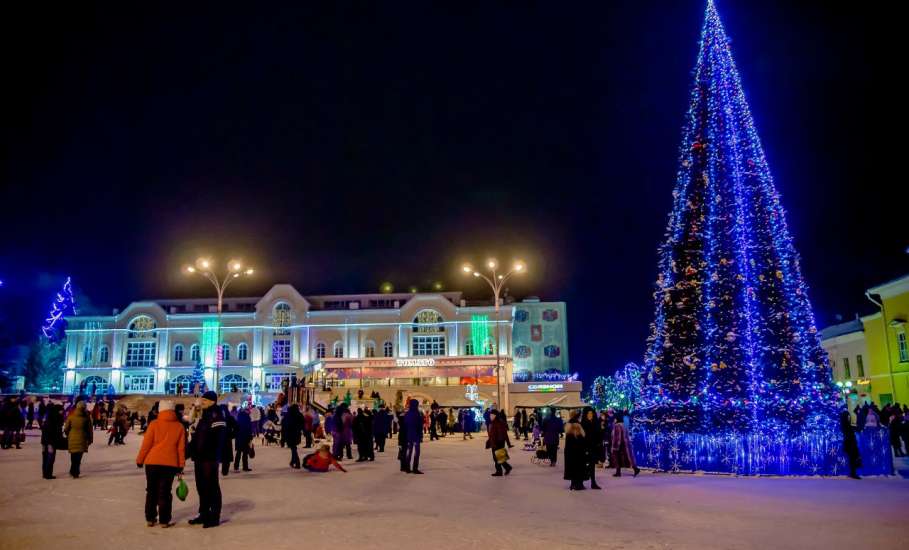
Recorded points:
733,346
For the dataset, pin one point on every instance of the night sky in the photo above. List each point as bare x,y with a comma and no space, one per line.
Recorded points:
337,145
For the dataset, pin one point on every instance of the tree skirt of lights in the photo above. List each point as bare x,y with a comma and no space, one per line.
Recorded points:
807,454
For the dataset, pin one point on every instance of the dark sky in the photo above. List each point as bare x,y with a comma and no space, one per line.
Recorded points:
337,145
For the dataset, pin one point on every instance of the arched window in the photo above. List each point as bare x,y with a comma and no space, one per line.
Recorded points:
143,347
242,351
320,350
338,350
225,352
178,353
185,380
87,355
489,346
388,348
282,317
234,382
104,354
194,353
468,347
370,349
95,385
428,334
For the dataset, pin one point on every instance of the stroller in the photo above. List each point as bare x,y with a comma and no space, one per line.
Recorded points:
540,454
270,433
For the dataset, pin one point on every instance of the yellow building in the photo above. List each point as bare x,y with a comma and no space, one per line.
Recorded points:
887,342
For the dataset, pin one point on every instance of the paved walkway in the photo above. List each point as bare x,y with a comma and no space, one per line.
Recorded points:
455,505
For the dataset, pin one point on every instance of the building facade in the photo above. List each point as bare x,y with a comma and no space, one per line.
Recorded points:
368,341
887,338
850,363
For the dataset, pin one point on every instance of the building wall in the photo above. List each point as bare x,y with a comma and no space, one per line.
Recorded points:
882,334
851,349
540,337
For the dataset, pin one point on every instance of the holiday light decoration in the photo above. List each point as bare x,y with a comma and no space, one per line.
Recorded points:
620,391
64,304
736,376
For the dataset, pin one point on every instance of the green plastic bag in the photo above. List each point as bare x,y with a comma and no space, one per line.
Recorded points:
182,489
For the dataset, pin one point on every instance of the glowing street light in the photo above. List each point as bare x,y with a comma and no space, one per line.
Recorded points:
234,271
496,283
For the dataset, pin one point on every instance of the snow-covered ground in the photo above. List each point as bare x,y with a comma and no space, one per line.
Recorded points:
455,505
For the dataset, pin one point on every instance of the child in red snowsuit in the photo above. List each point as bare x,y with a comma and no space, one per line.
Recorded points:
320,460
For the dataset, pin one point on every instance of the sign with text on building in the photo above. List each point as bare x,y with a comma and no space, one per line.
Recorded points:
545,388
422,362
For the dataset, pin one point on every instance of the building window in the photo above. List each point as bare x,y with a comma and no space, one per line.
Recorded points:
139,383
142,328
104,355
428,334
861,366
95,385
280,351
178,353
338,350
388,348
489,346
234,382
846,369
194,353
902,347
370,350
141,354
242,352
275,382
87,355
468,347
225,352
320,350
429,345
184,380
282,317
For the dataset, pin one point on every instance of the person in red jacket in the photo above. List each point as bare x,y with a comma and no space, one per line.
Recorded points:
320,460
163,453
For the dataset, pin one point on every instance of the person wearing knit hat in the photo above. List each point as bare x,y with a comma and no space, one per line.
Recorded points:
206,448
210,396
163,454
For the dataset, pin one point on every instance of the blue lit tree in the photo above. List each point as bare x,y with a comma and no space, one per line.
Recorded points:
198,377
54,327
733,347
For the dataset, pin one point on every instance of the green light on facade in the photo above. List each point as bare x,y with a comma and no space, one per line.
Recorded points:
209,341
479,333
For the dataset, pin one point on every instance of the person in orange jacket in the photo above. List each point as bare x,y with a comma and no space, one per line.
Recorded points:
320,460
163,453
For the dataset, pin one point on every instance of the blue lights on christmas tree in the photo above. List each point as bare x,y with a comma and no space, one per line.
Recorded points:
737,380
64,304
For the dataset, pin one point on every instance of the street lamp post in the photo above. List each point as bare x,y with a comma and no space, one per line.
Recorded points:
496,283
234,270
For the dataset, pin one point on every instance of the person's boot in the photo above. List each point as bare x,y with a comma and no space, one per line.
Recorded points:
198,520
507,467
636,471
618,473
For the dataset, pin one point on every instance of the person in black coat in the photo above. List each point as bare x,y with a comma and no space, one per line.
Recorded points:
51,440
576,459
230,433
553,427
850,445
243,440
363,427
402,443
380,427
593,437
291,427
206,448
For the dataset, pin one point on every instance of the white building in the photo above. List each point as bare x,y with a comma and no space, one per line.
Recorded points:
393,341
847,352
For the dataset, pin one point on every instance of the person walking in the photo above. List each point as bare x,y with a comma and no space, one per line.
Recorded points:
291,426
622,451
163,453
516,423
433,425
380,428
243,440
552,434
443,422
413,426
593,437
51,439
308,426
576,460
78,430
497,433
205,449
343,434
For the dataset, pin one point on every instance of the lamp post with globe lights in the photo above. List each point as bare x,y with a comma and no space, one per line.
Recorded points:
496,281
235,270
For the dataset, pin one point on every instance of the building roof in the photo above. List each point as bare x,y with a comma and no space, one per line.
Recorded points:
843,328
890,288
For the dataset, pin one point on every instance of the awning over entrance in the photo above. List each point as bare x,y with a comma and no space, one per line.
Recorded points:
533,400
457,402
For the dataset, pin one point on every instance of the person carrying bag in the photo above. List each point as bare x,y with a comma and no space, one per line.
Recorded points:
163,453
